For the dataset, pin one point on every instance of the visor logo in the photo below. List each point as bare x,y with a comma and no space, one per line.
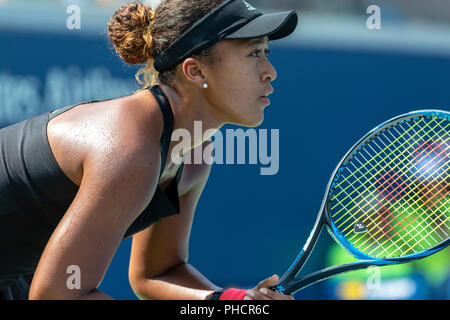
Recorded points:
249,6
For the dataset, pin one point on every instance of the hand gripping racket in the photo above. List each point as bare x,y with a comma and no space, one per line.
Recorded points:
388,200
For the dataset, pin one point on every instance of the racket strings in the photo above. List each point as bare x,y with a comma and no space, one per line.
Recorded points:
373,233
394,193
440,154
393,184
410,222
363,166
426,186
404,218
397,185
349,196
411,249
415,219
386,233
362,185
374,159
361,194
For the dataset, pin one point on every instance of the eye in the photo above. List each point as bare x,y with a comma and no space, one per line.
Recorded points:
257,53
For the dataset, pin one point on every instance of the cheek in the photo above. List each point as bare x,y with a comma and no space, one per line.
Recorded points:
238,88
235,87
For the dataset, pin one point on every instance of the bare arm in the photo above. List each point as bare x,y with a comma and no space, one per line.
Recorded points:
117,184
182,282
159,255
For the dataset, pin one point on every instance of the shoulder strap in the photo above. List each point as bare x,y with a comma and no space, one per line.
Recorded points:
166,110
180,171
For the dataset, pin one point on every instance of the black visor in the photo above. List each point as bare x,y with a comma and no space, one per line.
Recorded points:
274,25
233,19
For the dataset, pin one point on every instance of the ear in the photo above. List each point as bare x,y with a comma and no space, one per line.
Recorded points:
192,71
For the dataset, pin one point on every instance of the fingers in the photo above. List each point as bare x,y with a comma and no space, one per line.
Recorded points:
262,291
265,294
256,295
269,282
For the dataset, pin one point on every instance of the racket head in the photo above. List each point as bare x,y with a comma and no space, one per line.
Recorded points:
388,200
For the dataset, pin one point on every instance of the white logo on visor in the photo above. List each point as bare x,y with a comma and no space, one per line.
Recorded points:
249,6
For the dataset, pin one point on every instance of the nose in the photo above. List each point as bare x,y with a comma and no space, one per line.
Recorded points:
269,74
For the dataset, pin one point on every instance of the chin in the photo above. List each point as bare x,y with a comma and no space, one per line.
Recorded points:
258,119
252,123
256,124
252,120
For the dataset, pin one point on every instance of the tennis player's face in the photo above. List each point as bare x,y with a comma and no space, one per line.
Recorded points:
241,80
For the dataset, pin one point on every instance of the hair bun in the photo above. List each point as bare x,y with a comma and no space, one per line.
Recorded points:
130,33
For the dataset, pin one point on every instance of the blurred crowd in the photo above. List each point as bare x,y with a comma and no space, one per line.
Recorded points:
431,11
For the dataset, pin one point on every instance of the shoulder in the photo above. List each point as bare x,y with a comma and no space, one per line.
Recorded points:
138,119
123,138
122,170
129,124
129,137
120,131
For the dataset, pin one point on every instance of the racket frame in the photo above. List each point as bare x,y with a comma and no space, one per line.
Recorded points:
289,284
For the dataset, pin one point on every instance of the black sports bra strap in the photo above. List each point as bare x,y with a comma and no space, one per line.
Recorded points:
180,171
168,124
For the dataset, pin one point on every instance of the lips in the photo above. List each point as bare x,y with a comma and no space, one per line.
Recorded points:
267,94
265,100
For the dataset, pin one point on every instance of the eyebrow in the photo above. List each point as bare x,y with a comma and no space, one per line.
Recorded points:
257,41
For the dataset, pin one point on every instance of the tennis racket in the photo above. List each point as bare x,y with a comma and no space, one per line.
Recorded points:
388,200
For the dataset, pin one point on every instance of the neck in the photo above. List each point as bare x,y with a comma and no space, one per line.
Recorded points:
194,121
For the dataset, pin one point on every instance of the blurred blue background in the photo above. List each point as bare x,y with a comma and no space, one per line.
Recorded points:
337,79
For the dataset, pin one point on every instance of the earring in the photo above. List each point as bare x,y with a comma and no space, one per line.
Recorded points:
205,85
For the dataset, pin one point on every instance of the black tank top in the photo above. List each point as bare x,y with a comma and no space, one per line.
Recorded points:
35,193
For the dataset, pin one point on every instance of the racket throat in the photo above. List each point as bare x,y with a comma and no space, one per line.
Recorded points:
303,256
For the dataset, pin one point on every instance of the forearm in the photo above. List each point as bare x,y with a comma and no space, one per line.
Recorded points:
96,295
68,295
183,282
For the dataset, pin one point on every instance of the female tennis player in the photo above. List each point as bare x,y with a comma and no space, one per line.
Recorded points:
76,181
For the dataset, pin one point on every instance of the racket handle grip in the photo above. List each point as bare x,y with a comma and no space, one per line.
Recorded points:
278,288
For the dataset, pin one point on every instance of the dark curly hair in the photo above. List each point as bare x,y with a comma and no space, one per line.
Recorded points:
138,34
